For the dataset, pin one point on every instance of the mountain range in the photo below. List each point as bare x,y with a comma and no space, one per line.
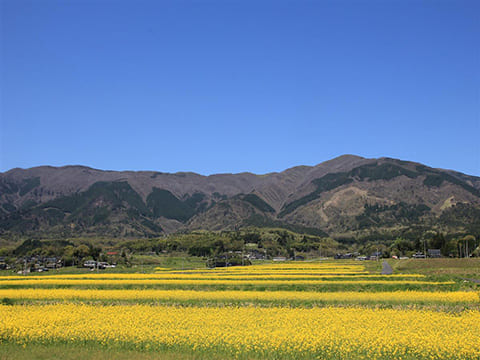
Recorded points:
349,197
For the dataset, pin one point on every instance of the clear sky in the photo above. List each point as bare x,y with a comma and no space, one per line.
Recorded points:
232,86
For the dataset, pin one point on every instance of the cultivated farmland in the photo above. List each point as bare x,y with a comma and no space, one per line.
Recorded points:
291,310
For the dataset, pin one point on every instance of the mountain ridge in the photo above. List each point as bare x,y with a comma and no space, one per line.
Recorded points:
178,172
345,195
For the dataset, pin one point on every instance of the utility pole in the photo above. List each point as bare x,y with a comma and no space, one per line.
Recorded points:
425,248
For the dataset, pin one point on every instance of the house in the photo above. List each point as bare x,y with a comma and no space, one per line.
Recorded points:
376,255
3,264
434,253
255,254
53,263
344,256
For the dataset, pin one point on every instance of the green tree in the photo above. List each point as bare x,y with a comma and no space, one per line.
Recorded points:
81,251
469,241
69,255
400,246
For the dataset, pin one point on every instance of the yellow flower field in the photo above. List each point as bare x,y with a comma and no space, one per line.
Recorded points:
331,332
410,297
342,312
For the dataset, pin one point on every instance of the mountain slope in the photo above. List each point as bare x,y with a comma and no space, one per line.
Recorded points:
346,196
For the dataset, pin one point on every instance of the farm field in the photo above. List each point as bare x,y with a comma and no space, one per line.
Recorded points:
291,310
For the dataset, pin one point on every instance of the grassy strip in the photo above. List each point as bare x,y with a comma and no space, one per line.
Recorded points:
368,304
209,276
67,351
82,351
339,287
120,282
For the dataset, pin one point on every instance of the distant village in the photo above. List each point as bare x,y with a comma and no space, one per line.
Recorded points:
29,264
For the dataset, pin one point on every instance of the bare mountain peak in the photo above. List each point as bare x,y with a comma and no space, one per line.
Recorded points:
346,157
343,162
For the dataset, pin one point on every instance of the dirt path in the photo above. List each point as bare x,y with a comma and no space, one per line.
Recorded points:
386,268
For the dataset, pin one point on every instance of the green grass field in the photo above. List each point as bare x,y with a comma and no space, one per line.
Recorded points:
453,268
92,351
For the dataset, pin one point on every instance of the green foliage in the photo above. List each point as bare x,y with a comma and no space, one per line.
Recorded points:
114,194
433,180
94,206
28,185
200,249
27,245
207,243
106,207
437,241
195,200
257,202
462,215
326,183
386,171
389,215
28,204
151,225
259,220
7,301
9,207
7,187
54,216
12,221
68,204
402,246
101,215
163,203
462,184
332,181
45,247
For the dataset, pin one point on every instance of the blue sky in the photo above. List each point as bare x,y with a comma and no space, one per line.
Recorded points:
232,86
